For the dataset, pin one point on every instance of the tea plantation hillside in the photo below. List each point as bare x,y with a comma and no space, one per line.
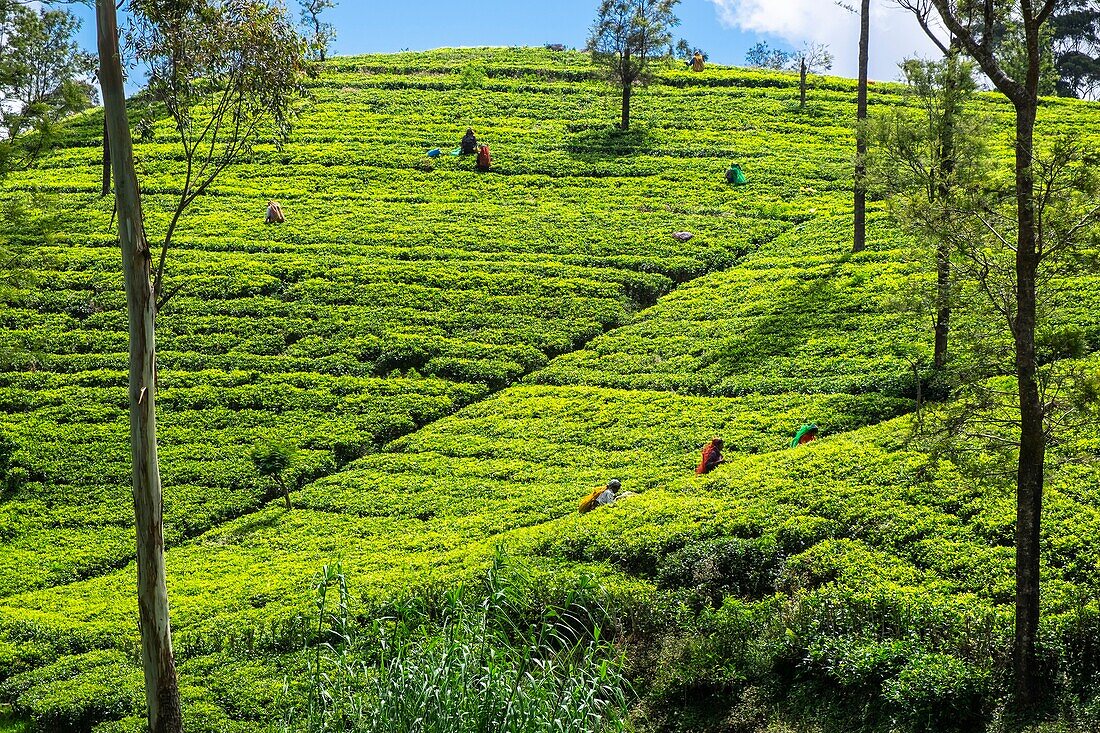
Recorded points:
459,357
441,283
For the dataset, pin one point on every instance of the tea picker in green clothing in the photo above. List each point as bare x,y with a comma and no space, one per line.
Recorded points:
805,434
736,176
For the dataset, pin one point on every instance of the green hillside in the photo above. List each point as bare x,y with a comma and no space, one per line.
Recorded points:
460,357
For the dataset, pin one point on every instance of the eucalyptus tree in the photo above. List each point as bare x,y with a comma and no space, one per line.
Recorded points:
225,71
319,33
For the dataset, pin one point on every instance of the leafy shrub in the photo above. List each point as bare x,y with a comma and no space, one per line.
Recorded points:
77,692
1066,342
272,458
800,533
722,651
473,77
745,568
939,692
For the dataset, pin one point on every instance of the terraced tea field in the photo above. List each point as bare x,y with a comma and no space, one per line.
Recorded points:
459,357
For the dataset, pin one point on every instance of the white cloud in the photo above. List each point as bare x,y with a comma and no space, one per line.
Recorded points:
895,35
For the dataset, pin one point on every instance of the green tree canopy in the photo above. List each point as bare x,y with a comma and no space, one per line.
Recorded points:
625,38
271,459
228,73
763,56
318,34
44,76
1076,37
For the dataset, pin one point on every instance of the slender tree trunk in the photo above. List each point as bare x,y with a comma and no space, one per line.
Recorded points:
803,71
860,239
624,124
943,192
1029,479
1032,460
1029,476
161,688
286,491
943,305
106,190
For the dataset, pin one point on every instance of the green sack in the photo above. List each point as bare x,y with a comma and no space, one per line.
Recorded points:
802,431
736,176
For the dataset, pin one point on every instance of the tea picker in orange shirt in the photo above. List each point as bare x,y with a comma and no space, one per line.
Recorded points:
603,496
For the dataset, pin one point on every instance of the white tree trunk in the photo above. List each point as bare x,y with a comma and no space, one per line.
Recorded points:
161,688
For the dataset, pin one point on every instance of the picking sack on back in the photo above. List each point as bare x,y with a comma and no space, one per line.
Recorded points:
736,176
274,213
591,501
484,160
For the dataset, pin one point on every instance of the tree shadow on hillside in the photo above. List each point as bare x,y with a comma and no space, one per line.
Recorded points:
607,141
256,523
799,312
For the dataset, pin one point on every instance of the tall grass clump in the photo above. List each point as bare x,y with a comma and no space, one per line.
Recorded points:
494,657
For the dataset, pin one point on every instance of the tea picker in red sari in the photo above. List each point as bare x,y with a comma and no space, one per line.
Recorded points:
711,458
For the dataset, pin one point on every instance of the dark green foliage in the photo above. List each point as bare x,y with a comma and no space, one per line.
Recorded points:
83,690
1066,342
1076,40
44,77
1012,49
272,458
9,724
12,474
746,660
743,568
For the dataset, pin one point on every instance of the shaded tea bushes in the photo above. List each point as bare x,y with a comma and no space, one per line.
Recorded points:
856,582
797,316
427,513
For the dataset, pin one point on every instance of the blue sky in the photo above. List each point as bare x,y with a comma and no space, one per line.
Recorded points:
724,28
431,23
